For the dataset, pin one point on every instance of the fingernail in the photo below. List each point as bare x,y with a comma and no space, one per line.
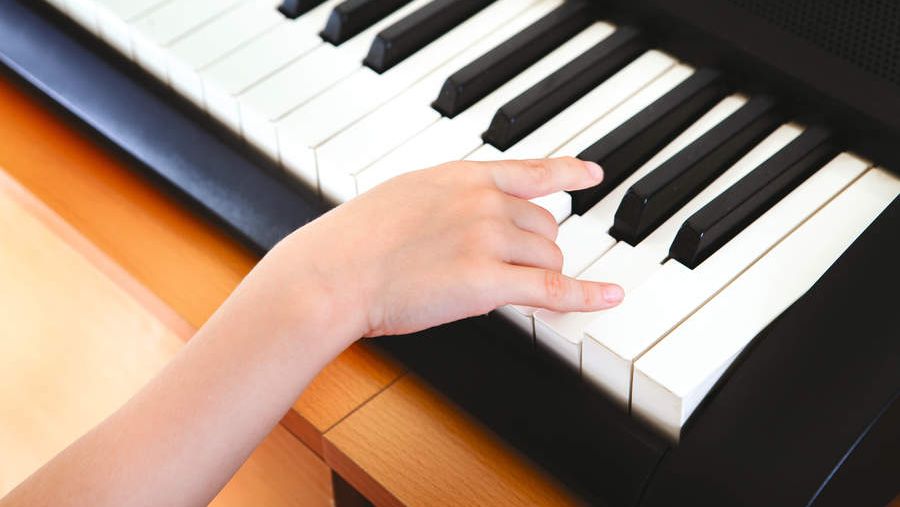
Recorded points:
594,168
613,294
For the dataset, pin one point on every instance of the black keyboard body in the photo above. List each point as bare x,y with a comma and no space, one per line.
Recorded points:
783,427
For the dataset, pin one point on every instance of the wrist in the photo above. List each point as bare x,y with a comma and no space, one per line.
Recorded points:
314,288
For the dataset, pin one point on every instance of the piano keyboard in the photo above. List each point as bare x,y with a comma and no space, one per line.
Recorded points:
718,210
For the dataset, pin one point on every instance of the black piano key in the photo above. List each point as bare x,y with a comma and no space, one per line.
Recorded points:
294,8
634,142
396,42
726,215
479,78
525,113
351,17
656,196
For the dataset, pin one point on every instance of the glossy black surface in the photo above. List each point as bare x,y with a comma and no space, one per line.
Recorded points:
350,17
525,113
295,8
656,196
479,78
868,474
731,211
633,143
398,41
798,402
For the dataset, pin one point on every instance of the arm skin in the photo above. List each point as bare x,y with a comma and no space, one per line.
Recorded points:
423,249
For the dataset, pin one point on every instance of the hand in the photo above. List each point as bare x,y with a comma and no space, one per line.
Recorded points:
445,243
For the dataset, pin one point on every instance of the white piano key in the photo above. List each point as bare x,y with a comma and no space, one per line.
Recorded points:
115,30
83,13
615,339
151,33
611,372
453,139
487,153
59,5
560,332
343,157
559,204
587,110
673,377
624,111
226,79
263,104
309,126
276,96
519,316
128,10
425,149
114,18
191,53
340,159
580,246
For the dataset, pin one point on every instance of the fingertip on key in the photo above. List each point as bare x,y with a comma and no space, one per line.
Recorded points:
594,169
613,294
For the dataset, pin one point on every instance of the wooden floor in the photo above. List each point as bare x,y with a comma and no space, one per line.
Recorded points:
79,337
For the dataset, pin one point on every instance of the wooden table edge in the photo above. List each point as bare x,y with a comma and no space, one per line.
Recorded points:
95,256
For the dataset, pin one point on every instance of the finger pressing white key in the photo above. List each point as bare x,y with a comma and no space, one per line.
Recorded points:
535,178
554,291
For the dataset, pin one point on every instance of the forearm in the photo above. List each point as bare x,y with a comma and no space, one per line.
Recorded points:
182,437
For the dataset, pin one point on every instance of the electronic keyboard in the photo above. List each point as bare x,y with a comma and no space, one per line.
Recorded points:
749,206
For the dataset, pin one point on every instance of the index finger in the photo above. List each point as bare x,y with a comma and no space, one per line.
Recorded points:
535,178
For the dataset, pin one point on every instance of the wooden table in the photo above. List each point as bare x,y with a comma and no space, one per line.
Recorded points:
384,433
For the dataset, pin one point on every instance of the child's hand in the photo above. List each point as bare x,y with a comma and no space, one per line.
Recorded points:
446,243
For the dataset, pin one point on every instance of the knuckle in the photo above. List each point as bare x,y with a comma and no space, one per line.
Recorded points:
555,255
554,286
532,162
587,296
549,220
538,171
